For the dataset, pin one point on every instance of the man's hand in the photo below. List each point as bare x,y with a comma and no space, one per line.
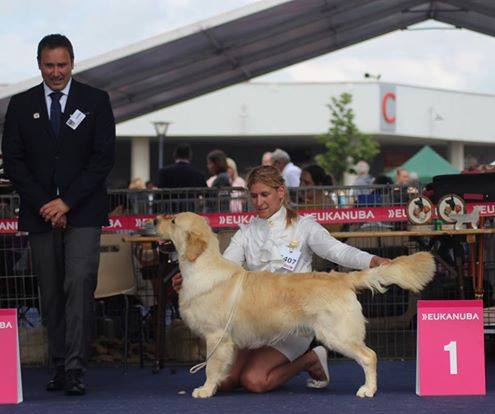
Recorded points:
177,282
61,223
378,261
54,210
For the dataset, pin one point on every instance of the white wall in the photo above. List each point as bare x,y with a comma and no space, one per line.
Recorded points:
251,109
446,115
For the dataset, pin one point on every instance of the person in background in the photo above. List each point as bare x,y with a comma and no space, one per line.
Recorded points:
136,183
400,193
413,178
311,176
472,166
379,196
402,177
277,230
237,204
137,199
181,174
216,161
150,186
235,179
217,165
266,159
363,178
413,182
59,147
290,172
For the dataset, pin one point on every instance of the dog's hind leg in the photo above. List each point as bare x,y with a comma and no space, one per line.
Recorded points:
357,350
365,357
217,367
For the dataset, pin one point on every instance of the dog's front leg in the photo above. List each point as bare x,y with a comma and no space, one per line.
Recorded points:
217,367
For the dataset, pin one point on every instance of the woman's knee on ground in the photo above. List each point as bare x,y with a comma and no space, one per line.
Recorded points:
255,381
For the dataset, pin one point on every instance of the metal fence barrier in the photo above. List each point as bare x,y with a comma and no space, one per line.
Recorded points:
392,327
209,200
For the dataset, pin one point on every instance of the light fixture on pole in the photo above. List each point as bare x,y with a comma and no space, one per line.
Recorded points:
161,128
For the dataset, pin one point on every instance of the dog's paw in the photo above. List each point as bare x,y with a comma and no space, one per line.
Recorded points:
203,392
365,391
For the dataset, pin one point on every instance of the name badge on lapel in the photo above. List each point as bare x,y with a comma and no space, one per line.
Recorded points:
75,119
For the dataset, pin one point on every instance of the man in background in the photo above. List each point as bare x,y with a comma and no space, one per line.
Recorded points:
401,193
363,178
181,174
290,172
402,176
266,159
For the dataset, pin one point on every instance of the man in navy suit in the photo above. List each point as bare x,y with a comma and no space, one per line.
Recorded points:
58,147
181,174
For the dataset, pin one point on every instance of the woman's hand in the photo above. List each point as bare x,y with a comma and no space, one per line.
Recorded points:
378,261
177,282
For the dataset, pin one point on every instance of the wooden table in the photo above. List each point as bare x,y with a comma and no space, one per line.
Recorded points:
412,233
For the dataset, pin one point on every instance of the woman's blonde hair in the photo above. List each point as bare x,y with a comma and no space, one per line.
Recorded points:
231,164
271,177
137,184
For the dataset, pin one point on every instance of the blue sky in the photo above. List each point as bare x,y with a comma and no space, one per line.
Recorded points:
450,59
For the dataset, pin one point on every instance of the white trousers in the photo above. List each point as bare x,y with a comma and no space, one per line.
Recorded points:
293,346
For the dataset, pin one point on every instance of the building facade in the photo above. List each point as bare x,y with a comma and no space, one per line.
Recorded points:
248,119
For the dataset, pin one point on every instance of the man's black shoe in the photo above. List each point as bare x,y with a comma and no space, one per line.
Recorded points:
57,383
74,382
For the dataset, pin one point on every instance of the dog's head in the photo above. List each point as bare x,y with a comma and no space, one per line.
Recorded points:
189,232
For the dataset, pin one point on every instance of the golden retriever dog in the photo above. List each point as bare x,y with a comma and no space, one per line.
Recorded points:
232,307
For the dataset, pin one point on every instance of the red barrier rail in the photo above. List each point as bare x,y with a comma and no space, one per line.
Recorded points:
232,220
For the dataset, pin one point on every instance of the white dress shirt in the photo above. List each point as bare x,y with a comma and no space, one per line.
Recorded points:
63,98
257,245
292,175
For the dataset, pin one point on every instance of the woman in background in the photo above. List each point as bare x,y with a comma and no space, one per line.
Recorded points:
216,161
219,201
311,176
237,205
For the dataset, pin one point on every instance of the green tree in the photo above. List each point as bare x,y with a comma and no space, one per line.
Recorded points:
345,144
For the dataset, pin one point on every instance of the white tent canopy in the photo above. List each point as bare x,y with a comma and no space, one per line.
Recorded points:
249,42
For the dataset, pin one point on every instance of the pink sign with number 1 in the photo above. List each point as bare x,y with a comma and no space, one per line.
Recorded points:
450,354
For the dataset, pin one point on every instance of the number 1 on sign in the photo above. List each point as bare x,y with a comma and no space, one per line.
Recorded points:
452,349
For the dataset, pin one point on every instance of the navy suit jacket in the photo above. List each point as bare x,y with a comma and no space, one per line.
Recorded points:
76,163
180,175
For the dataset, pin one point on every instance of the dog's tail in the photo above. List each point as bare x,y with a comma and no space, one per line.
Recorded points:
409,272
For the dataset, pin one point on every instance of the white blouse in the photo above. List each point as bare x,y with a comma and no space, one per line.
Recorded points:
259,245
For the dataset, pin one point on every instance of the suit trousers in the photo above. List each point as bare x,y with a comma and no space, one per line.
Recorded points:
66,262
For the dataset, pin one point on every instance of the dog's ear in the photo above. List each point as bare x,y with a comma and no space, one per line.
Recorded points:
195,246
